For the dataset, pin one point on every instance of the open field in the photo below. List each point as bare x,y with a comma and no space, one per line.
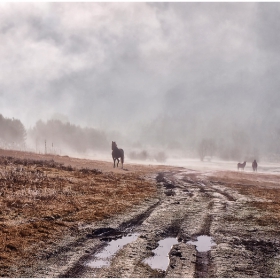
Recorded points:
262,188
42,200
59,213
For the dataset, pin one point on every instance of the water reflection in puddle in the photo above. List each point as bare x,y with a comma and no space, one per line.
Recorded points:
103,258
161,259
203,243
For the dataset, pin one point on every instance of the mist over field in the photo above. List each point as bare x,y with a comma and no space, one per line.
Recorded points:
191,79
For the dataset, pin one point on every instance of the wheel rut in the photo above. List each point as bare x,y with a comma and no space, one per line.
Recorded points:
189,208
105,235
169,218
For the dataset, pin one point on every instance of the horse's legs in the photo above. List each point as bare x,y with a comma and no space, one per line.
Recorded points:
114,162
118,162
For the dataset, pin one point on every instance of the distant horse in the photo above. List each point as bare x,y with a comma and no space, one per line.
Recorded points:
255,165
241,165
117,153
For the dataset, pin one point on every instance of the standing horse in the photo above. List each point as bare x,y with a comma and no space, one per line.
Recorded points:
241,165
117,153
255,165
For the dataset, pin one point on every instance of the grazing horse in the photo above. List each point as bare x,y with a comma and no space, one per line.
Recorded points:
255,165
241,165
117,153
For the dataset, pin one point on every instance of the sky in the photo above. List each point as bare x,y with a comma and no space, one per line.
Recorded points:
136,66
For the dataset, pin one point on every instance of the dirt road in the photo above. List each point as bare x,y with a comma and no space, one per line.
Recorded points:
189,205
199,224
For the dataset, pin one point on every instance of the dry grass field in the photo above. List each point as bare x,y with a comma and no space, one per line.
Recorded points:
264,188
47,201
40,200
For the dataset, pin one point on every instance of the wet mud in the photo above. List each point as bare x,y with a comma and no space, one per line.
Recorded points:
163,236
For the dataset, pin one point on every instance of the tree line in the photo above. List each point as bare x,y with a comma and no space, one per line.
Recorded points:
50,136
55,134
12,133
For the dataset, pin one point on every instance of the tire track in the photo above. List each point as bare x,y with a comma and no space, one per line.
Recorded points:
196,208
105,235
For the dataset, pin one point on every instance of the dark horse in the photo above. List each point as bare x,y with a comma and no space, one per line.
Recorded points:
255,165
117,153
241,165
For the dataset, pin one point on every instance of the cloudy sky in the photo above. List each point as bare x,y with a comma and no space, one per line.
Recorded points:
130,64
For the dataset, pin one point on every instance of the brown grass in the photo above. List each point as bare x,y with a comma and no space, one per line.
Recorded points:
260,186
42,200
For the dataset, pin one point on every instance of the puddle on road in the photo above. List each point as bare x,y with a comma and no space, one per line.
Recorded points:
203,243
103,258
161,258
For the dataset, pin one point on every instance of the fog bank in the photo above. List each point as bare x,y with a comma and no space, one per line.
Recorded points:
194,79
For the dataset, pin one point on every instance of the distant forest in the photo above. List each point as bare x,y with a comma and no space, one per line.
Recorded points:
51,136
164,137
66,136
12,133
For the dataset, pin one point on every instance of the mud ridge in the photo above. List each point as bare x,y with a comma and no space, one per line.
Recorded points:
106,235
78,269
224,193
203,258
139,219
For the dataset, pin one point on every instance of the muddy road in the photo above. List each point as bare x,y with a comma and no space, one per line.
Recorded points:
198,225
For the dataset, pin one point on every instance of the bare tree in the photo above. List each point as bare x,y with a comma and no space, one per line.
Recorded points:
206,148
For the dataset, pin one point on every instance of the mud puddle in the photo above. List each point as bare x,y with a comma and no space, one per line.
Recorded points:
203,243
160,260
103,258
